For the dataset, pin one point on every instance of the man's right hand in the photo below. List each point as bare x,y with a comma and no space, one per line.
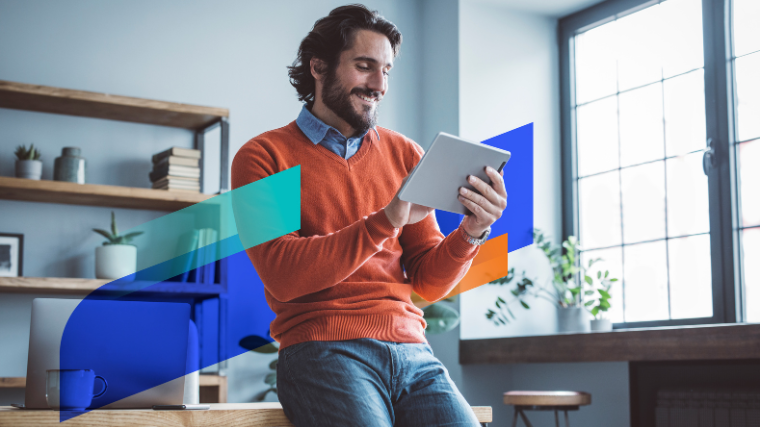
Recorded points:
401,213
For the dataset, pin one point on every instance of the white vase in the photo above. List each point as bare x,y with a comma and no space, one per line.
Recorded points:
601,325
115,262
572,319
29,169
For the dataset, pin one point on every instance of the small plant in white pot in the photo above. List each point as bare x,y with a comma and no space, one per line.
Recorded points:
28,164
600,302
117,258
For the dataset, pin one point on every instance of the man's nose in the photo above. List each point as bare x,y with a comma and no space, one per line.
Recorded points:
377,82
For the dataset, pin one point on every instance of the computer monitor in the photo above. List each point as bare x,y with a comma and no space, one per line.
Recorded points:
139,347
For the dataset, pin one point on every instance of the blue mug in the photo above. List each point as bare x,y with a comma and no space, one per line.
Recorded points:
72,389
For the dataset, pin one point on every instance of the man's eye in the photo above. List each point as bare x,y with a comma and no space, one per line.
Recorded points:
362,67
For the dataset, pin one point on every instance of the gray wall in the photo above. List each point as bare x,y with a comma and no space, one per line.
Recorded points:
509,76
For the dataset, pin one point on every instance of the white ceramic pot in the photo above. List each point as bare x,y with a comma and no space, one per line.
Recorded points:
601,325
572,319
115,262
29,169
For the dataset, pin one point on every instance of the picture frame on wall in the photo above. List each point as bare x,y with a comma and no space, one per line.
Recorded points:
11,255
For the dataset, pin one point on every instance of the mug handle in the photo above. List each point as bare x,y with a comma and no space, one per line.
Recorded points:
105,387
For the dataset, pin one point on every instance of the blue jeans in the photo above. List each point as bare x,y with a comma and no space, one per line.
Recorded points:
366,382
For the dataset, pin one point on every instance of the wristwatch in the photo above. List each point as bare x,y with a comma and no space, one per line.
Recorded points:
475,240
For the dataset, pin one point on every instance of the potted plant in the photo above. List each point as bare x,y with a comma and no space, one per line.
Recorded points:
567,292
600,302
117,258
28,164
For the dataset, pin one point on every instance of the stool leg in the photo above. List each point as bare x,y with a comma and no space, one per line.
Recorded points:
514,419
567,420
525,419
556,418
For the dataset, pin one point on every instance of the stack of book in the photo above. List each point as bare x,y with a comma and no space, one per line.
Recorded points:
177,169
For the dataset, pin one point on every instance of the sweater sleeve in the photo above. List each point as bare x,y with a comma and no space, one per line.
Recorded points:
433,263
289,266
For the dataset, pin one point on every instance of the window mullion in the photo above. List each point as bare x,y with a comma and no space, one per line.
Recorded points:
721,183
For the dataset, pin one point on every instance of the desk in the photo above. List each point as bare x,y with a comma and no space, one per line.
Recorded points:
221,414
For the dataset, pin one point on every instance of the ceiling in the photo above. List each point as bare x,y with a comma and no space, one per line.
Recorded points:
554,8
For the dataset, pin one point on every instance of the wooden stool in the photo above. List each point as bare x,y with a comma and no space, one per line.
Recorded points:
545,401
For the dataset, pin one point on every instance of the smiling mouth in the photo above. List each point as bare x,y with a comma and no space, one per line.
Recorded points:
368,99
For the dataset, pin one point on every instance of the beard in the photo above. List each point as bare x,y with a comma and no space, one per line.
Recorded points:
337,98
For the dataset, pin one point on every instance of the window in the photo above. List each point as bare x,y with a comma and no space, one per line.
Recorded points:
641,96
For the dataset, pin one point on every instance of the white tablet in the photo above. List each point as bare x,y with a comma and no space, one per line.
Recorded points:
444,168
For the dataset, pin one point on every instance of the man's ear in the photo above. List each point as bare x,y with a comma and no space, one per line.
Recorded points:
318,68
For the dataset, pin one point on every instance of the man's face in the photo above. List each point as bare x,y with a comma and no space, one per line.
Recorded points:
354,89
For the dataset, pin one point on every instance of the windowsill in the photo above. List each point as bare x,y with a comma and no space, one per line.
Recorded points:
729,341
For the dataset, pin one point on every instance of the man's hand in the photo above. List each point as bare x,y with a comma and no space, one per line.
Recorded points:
485,207
401,213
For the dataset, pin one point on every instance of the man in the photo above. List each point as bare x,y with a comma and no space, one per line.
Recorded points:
352,345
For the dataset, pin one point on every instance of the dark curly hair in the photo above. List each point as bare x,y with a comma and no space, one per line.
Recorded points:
332,35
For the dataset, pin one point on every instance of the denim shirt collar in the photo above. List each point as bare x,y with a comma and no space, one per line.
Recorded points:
316,130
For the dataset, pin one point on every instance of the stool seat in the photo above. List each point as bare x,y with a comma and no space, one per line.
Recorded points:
547,398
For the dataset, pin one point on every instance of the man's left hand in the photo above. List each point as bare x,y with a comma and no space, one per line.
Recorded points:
485,207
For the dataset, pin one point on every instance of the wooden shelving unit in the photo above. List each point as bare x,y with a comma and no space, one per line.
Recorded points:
12,382
72,286
213,387
46,99
97,195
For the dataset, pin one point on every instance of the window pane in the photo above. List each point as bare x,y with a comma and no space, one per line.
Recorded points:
751,253
646,282
612,261
746,34
640,42
595,63
643,202
641,125
748,96
681,36
690,277
688,206
599,200
749,167
597,137
685,113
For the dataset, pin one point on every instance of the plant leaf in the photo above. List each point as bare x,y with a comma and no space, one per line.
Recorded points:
604,293
273,364
524,304
440,318
113,224
589,280
271,378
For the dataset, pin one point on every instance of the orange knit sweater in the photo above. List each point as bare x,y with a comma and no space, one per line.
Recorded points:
347,273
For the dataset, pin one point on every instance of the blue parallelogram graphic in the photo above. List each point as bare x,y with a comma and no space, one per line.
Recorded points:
134,331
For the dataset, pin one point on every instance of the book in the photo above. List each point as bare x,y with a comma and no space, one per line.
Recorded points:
175,171
167,187
199,270
179,161
179,152
187,246
195,182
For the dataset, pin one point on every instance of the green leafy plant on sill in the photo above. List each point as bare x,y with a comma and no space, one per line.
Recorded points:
565,291
113,237
600,295
22,153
